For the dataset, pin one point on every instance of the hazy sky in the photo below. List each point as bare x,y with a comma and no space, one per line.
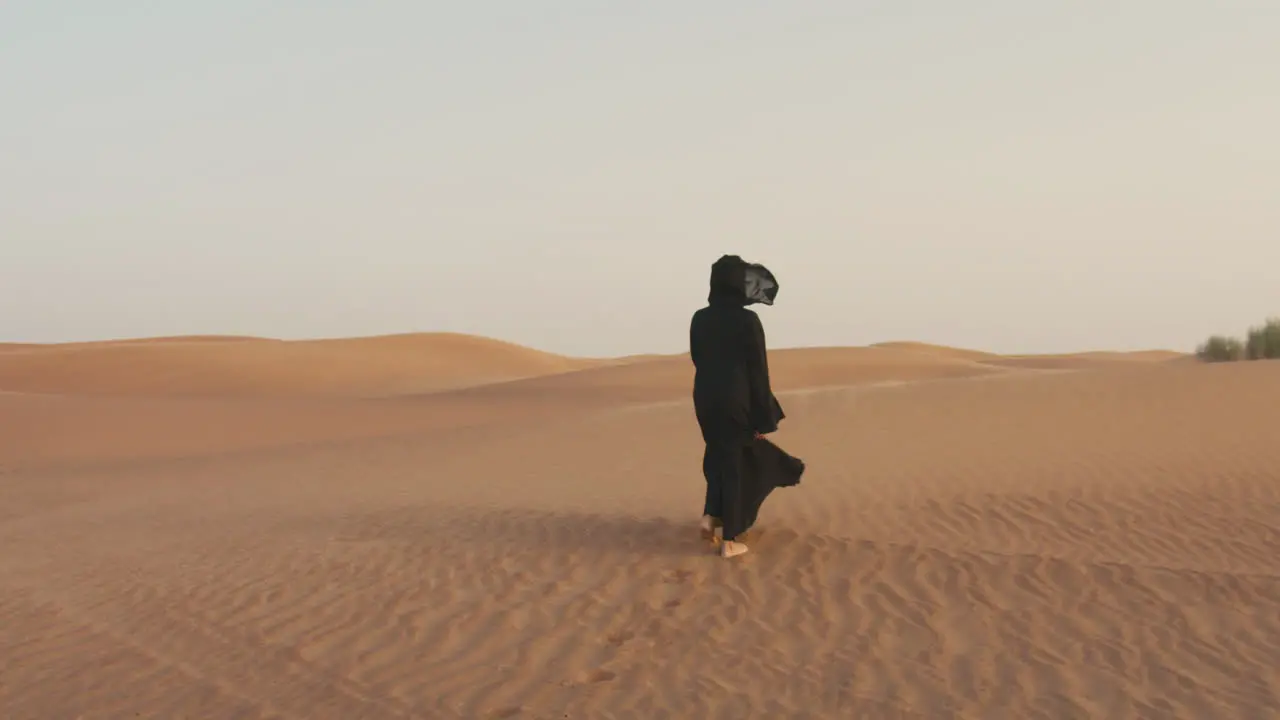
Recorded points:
1001,174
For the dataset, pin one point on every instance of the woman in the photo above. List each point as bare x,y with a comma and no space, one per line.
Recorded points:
733,400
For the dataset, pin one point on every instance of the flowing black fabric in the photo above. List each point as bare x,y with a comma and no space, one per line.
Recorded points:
759,468
768,467
732,396
759,285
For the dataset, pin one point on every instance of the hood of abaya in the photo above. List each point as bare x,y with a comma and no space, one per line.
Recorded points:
738,281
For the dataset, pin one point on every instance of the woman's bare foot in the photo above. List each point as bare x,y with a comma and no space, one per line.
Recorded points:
732,548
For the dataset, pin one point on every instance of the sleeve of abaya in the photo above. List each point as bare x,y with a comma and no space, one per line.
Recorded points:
693,340
763,418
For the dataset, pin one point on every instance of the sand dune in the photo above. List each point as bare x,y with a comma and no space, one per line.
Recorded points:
976,537
187,415
373,366
1085,360
671,378
936,350
431,362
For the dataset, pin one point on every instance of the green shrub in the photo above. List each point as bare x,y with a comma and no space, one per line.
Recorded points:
1263,341
1220,348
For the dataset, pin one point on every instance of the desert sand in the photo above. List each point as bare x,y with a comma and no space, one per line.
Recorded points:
443,526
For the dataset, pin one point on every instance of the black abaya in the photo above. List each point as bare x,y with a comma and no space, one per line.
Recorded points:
759,467
733,399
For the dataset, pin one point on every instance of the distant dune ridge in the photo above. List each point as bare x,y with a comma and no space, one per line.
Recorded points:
428,362
447,526
385,365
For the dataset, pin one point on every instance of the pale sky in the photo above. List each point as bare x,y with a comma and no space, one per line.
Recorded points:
1008,175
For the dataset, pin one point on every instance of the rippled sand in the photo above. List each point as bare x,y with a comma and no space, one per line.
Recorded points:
450,527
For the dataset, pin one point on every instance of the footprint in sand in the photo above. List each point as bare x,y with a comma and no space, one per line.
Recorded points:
600,676
678,576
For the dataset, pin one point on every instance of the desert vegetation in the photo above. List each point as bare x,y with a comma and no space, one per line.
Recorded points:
1261,342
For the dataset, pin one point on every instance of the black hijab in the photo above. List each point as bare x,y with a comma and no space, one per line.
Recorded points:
734,280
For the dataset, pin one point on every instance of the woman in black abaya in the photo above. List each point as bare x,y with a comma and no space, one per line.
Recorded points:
734,402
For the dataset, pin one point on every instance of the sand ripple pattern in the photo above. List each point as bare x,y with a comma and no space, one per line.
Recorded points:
1117,557
473,613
